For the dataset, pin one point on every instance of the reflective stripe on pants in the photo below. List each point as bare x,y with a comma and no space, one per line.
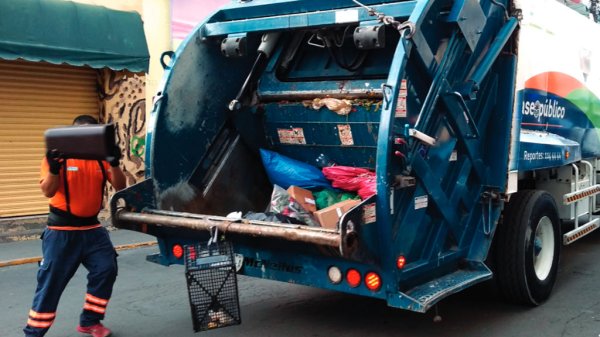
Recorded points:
63,252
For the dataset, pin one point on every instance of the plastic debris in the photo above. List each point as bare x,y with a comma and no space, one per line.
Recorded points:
339,106
272,217
353,179
234,215
327,197
283,203
285,171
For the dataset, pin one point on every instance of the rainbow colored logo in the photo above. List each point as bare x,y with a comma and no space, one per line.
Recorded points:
561,85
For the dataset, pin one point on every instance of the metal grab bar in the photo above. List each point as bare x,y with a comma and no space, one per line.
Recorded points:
287,232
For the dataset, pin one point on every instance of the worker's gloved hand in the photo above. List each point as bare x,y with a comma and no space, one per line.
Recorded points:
115,156
55,160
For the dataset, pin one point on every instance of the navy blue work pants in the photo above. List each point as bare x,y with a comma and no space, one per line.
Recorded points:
63,252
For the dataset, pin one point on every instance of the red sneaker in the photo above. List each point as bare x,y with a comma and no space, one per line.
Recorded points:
97,330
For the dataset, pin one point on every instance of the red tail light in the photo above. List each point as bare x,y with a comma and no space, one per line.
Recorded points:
400,262
373,281
177,251
353,278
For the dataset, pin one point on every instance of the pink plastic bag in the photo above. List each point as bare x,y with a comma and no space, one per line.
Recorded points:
352,179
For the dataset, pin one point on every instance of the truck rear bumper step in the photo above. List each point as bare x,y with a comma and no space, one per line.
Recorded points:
424,296
298,233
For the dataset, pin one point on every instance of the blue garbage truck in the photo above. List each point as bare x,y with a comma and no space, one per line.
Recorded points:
479,119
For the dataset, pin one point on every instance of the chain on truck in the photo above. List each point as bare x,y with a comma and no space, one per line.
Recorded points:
479,120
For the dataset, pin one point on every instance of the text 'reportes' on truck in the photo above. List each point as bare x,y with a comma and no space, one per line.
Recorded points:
480,119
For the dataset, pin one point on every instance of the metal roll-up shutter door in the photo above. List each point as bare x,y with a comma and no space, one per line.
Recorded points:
35,96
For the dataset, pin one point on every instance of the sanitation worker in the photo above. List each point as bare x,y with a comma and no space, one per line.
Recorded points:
74,236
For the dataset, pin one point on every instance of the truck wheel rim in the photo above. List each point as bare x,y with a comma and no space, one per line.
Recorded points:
543,248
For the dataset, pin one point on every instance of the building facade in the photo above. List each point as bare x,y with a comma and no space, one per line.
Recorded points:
51,72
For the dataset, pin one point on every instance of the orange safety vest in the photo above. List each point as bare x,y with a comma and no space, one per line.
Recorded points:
76,204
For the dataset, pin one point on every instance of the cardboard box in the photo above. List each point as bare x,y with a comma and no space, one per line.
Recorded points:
304,197
329,217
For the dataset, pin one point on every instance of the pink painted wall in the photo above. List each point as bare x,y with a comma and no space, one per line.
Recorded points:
186,14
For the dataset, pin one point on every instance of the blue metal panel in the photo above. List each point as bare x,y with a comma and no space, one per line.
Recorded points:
470,18
237,10
540,150
383,169
309,270
322,135
311,19
281,264
186,123
438,223
500,136
270,87
496,47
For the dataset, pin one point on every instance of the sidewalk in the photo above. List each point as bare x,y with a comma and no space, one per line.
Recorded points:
18,250
22,228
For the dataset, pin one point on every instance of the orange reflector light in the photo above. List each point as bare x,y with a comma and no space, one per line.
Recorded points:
353,278
177,251
400,262
192,253
373,281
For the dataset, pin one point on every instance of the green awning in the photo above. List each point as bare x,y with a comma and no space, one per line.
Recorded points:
59,32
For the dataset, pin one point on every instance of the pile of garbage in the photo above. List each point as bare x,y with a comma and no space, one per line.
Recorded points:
306,195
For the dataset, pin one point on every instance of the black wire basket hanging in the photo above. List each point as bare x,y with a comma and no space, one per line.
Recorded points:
212,285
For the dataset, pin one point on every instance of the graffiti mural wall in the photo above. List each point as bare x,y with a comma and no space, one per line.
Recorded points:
123,103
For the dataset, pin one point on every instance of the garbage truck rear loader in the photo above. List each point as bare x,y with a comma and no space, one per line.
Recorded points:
479,119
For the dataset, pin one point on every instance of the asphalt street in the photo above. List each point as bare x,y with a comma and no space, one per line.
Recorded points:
151,301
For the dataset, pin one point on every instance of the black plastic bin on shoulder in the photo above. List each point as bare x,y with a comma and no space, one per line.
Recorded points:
212,285
96,142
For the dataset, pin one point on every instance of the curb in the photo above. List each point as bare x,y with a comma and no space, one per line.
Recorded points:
21,229
15,229
36,259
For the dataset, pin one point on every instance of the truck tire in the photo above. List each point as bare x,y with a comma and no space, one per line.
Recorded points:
528,248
